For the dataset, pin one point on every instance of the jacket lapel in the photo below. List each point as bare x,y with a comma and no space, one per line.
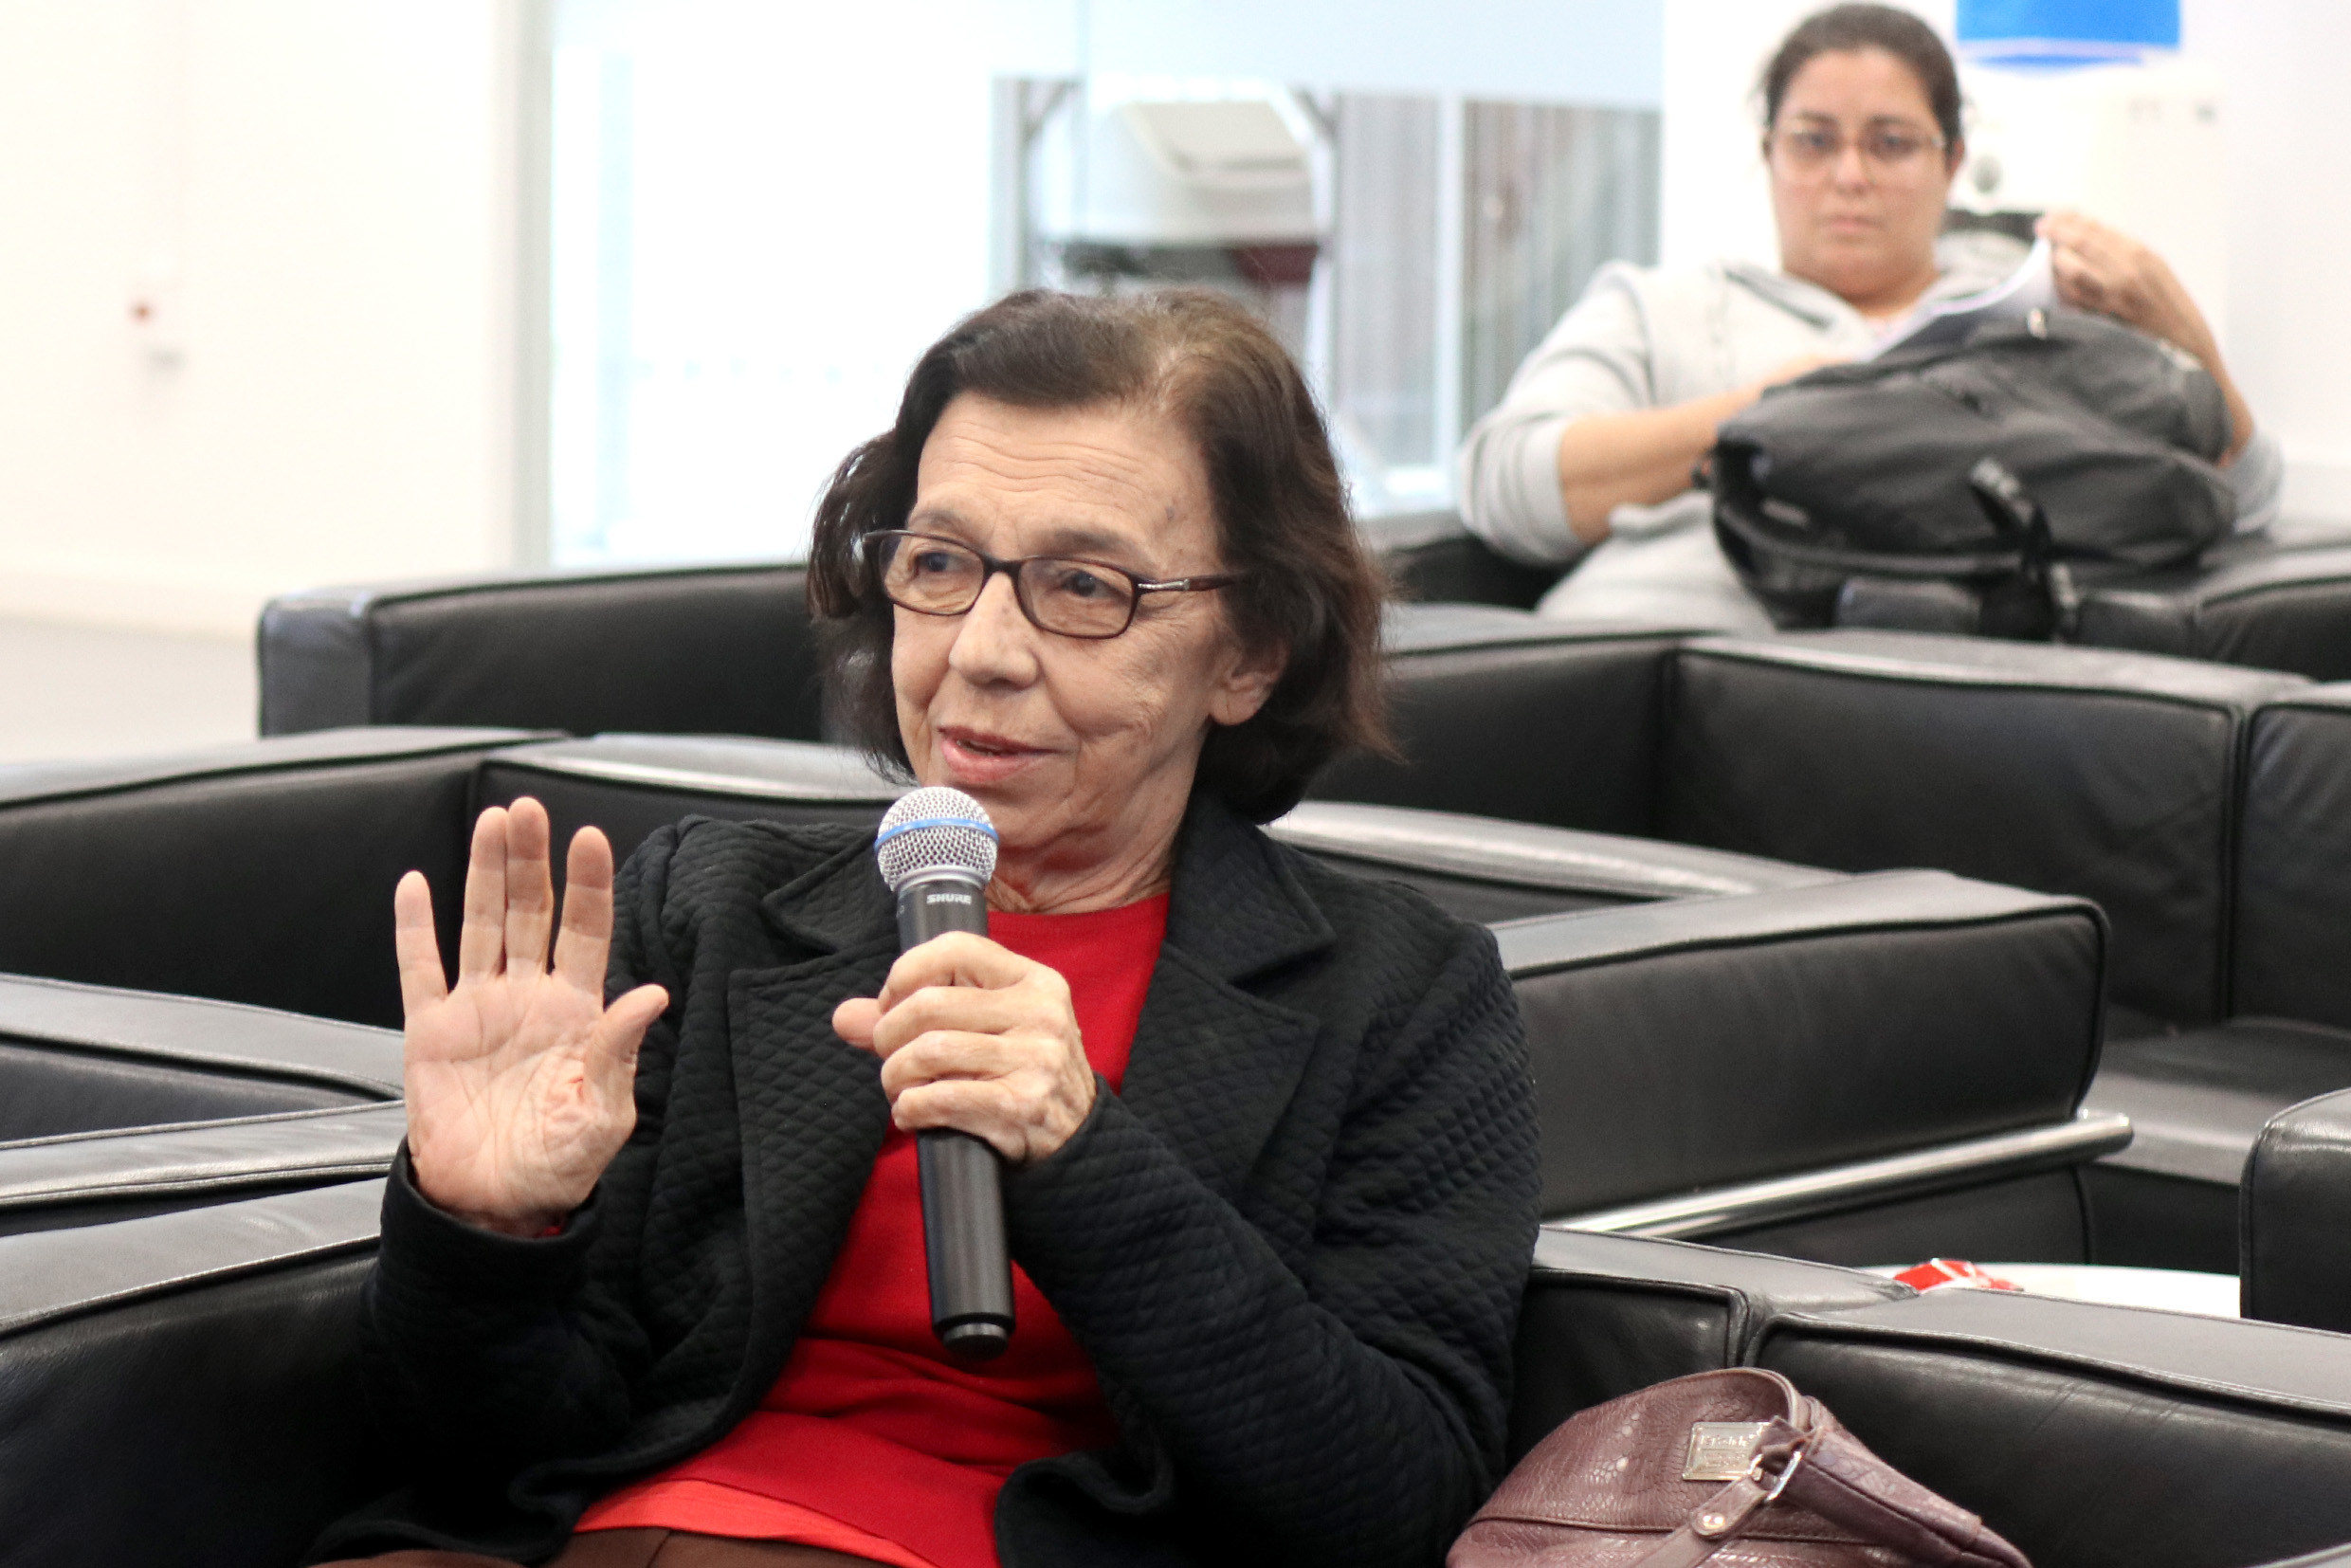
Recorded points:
1214,1065
812,1109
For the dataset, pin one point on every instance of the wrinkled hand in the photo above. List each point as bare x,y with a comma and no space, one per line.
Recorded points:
521,1083
2102,269
975,1037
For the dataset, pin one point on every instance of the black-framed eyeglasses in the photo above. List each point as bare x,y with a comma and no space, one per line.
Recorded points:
1062,594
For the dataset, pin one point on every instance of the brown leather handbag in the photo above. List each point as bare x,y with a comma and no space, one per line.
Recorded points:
1736,1463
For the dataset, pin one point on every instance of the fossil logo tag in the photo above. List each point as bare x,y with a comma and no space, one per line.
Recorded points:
1722,1450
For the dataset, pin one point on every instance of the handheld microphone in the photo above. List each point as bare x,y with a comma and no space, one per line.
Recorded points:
938,851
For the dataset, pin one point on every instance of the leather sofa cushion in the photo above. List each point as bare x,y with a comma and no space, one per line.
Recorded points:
260,872
2197,1099
2293,892
2094,1436
80,1058
1694,1043
725,650
1508,715
2110,775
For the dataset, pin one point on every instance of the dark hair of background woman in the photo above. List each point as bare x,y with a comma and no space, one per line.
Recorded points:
1308,588
1844,28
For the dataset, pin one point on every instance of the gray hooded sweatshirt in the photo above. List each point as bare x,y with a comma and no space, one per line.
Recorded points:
1641,337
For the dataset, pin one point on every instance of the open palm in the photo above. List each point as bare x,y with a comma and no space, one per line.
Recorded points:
521,1081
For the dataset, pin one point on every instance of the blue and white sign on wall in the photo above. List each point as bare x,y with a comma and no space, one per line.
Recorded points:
2067,30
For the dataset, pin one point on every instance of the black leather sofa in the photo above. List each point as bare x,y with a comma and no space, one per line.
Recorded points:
183,1390
2190,800
2110,775
1687,1003
736,656
2201,1095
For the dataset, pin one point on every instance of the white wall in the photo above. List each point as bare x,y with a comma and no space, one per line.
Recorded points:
2289,315
2289,226
332,185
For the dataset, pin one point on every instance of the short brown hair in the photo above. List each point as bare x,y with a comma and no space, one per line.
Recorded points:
1845,28
1308,589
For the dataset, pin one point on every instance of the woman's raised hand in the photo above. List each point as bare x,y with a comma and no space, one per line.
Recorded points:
521,1082
975,1037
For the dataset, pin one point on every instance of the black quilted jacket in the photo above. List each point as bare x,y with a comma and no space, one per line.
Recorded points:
1293,1246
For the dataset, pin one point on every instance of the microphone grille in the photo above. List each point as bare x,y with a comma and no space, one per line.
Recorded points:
935,831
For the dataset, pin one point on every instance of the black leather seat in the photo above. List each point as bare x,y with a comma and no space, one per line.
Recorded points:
260,872
182,1391
2201,1094
2116,776
725,650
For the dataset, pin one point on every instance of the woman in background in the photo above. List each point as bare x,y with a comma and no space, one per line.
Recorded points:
1586,461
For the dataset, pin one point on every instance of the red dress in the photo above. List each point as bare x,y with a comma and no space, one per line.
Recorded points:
873,1442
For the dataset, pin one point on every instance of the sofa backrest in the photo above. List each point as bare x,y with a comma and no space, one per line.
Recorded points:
2114,777
719,649
77,1058
258,872
1503,714
2293,887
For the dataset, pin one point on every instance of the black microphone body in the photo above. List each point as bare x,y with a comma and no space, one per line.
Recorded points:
962,1178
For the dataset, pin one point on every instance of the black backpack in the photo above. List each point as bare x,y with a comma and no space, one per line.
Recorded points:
1974,486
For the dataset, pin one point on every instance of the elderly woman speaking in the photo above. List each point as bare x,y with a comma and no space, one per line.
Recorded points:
1269,1141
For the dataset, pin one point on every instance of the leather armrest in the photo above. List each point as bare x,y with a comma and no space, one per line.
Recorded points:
2293,862
1482,869
259,872
76,1058
2295,1214
183,1390
1707,1042
1508,715
2279,609
83,1179
2091,1433
2115,776
1606,1315
723,649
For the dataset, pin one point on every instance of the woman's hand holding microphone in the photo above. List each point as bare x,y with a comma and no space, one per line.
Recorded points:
521,1082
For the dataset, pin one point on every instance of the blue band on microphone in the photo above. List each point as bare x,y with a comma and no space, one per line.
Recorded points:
974,824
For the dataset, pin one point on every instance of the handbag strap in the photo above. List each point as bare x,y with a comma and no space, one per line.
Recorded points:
1723,1518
